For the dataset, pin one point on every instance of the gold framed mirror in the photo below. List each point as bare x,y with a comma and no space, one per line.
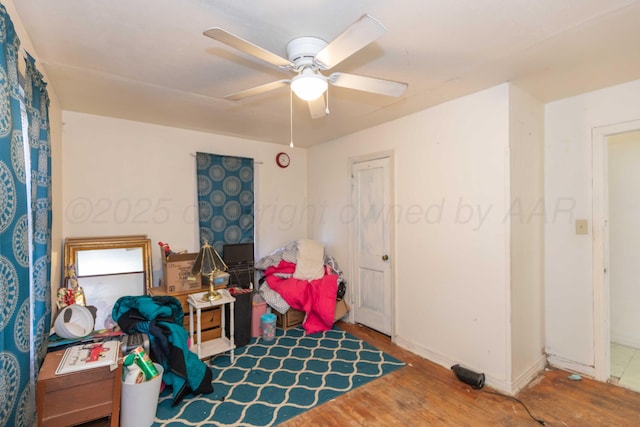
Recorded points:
108,268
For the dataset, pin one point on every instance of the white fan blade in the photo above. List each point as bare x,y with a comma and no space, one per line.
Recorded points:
368,84
257,90
362,32
317,108
247,47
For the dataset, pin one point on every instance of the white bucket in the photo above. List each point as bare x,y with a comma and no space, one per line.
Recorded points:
78,324
140,401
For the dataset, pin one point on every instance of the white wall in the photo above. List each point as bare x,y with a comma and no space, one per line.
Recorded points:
123,177
624,237
568,196
451,241
526,219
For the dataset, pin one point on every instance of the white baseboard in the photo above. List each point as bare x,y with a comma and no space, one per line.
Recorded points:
626,341
529,375
501,385
571,366
423,352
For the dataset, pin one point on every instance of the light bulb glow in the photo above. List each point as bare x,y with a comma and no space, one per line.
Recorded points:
308,85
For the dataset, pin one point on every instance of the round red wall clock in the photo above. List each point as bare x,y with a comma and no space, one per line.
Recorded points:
283,160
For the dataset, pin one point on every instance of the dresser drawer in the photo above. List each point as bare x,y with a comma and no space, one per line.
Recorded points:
210,318
77,397
209,334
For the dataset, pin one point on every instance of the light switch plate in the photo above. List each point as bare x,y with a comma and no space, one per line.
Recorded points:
582,226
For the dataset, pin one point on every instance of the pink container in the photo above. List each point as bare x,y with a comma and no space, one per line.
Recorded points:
258,308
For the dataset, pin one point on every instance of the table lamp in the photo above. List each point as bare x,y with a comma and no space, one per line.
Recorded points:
209,263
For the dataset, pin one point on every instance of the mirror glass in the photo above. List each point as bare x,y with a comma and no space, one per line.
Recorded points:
108,268
109,261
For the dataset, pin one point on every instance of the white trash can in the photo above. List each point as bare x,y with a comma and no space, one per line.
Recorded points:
140,401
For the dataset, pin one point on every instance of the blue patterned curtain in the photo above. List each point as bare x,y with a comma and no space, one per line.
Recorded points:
24,322
37,103
225,199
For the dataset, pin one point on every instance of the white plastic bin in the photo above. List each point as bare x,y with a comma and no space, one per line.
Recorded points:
140,401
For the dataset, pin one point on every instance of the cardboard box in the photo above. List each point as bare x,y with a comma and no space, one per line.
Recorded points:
342,308
290,319
176,274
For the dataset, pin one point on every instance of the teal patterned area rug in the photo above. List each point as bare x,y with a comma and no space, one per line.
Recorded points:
269,383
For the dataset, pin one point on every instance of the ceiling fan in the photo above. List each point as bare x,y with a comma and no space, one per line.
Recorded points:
308,56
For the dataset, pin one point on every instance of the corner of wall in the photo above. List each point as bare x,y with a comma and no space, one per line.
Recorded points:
526,263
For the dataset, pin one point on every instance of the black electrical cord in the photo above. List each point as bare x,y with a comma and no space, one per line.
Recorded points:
538,420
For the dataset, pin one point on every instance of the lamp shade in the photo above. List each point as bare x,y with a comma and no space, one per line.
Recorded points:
208,261
308,85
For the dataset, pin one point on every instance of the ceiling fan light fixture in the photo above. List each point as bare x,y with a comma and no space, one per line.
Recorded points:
308,57
308,85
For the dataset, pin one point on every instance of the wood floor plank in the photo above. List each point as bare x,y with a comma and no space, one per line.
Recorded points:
425,394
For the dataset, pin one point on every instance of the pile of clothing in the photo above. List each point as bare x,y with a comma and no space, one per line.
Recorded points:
161,318
301,276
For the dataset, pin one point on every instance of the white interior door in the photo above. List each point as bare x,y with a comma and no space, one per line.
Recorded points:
372,290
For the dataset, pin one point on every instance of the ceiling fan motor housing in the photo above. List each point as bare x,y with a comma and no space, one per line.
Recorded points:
301,51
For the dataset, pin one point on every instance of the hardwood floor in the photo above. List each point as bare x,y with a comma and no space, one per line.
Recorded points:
425,394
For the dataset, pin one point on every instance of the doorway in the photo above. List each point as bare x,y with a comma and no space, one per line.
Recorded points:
613,242
623,176
372,290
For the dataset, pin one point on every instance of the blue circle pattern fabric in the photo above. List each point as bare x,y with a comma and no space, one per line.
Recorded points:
225,199
25,234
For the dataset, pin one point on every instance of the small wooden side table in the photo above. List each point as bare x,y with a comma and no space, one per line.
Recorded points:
77,397
217,345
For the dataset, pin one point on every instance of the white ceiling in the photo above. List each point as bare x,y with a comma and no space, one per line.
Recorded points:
147,60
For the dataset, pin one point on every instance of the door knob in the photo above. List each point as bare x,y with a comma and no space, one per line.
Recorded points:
385,257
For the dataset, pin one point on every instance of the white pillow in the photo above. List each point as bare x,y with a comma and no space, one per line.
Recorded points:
310,260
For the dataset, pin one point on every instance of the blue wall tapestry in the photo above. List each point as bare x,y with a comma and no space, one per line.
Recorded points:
225,199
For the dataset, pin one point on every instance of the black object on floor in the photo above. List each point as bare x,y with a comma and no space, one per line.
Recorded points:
467,376
242,316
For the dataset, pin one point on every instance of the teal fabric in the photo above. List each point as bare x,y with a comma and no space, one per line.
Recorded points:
161,318
24,274
150,307
37,106
225,199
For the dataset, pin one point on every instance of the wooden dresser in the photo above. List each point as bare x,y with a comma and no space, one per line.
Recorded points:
211,317
78,397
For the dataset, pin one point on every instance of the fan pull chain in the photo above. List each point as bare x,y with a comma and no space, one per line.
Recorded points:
291,118
326,110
